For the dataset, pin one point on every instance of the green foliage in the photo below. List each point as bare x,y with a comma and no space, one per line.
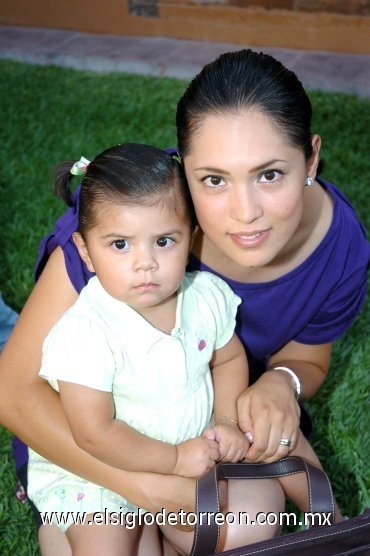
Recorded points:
18,532
50,114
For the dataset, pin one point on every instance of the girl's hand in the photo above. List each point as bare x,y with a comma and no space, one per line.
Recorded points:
233,444
269,411
196,456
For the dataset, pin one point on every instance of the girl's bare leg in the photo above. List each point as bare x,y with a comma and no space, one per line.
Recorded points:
168,549
244,498
150,542
53,542
94,540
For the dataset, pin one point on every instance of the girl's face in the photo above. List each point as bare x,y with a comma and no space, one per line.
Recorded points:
139,253
247,184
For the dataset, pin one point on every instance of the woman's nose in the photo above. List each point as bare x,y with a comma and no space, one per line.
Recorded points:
245,204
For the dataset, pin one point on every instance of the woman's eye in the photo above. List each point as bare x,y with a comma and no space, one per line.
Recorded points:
213,181
121,244
270,176
164,242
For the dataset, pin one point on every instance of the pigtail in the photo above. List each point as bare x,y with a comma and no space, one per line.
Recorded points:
62,181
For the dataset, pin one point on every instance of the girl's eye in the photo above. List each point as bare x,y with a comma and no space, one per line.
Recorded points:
164,242
213,181
121,244
270,176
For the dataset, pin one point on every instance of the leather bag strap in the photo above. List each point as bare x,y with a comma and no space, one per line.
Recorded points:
208,506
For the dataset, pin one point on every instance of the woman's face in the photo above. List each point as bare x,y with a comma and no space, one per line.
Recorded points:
247,184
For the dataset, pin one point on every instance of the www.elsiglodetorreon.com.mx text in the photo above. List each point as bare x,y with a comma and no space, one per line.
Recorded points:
182,518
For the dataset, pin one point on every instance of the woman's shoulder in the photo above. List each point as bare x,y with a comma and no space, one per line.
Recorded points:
344,211
62,236
347,233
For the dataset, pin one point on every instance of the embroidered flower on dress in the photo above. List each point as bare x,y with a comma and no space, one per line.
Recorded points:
202,344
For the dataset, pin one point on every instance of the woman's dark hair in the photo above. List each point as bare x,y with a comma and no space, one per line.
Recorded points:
246,79
127,174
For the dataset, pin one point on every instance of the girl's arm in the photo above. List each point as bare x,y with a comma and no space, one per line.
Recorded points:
91,417
272,398
31,409
230,378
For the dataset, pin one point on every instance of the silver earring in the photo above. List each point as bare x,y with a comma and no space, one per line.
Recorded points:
309,181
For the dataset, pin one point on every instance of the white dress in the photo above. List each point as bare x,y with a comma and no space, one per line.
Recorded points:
161,383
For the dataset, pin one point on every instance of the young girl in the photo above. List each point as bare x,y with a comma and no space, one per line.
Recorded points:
131,359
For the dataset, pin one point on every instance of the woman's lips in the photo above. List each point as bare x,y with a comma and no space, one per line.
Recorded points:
250,239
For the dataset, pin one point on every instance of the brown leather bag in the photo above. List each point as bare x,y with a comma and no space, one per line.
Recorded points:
351,536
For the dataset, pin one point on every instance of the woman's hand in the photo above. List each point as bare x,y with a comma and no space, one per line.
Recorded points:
269,411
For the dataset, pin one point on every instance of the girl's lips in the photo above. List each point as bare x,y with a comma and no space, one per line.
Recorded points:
145,286
251,239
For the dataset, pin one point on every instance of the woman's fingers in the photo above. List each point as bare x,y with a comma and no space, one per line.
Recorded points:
275,435
270,416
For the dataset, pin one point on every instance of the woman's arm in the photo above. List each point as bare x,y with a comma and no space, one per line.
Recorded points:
31,409
269,407
310,364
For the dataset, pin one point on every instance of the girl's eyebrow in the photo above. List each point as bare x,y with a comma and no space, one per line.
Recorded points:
167,233
164,233
251,171
114,235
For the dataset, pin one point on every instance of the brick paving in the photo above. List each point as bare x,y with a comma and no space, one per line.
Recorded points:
182,59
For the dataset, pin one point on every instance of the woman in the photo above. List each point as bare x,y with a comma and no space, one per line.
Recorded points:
287,242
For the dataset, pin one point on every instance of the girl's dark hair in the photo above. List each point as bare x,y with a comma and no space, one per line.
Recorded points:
246,79
127,174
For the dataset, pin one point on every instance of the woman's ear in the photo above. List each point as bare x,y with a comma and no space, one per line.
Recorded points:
315,157
82,249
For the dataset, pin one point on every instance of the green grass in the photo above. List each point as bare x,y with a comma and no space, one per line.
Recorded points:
49,114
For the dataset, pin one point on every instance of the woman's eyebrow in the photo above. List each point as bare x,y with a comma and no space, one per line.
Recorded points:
212,170
251,171
266,165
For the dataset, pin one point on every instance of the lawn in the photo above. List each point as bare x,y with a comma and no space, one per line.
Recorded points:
49,114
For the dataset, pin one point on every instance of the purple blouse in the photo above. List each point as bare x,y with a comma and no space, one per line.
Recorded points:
313,304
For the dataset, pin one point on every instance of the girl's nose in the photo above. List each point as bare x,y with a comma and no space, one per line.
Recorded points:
145,261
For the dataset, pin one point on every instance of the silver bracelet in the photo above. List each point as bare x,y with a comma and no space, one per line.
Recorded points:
296,381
